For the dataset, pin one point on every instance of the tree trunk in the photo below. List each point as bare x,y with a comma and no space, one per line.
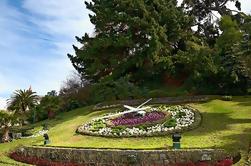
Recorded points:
5,137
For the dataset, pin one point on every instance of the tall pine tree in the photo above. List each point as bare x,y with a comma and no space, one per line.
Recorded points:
132,38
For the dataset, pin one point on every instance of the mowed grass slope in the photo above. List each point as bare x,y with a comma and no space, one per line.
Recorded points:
225,124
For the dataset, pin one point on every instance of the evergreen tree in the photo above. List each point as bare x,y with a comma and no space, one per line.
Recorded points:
132,38
139,41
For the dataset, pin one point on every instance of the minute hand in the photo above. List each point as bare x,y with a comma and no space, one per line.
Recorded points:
144,103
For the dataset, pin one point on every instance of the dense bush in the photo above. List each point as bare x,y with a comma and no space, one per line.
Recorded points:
227,98
114,90
170,123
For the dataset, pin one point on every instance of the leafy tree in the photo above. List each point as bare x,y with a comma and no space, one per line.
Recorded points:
233,75
50,103
245,45
231,33
72,85
7,119
206,15
74,92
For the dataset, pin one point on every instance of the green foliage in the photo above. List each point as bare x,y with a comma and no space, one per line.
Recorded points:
118,129
97,124
170,122
142,127
131,37
180,114
7,118
199,63
50,103
73,104
231,34
116,90
37,114
245,47
219,70
232,72
227,98
158,93
22,100
141,42
204,14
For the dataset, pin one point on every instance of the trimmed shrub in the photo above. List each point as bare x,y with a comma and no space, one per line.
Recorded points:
227,98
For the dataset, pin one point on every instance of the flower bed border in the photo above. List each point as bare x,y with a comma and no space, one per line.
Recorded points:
194,125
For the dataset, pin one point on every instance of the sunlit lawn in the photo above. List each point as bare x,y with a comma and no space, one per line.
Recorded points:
225,124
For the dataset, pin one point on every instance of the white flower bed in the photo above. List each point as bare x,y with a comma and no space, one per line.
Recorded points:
186,119
38,134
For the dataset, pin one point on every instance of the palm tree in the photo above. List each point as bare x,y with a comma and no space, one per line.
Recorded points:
7,120
22,101
18,105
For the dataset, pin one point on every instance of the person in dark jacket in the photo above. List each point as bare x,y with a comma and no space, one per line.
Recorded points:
46,139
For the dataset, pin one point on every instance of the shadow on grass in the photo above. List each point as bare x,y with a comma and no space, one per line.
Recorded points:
238,145
215,122
242,140
65,116
243,100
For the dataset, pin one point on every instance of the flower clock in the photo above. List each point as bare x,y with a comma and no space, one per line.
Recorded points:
154,120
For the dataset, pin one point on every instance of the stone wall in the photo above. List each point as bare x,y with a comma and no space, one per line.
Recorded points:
163,100
123,157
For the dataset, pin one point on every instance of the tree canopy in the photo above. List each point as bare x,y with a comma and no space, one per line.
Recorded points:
131,37
146,40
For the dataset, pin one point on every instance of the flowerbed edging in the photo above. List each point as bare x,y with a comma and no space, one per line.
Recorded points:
195,124
163,100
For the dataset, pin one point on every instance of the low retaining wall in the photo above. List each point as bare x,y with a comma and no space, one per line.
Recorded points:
123,157
163,100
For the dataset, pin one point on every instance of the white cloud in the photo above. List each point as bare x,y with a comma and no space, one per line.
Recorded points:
36,41
66,18
2,103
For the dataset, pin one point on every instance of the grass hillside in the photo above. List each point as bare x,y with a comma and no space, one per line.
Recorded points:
225,124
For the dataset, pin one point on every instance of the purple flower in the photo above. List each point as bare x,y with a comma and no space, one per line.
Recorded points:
132,120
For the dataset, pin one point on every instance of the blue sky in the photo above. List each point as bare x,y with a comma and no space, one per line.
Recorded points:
36,36
35,39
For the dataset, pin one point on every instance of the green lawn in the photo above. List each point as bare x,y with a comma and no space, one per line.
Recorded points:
225,124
